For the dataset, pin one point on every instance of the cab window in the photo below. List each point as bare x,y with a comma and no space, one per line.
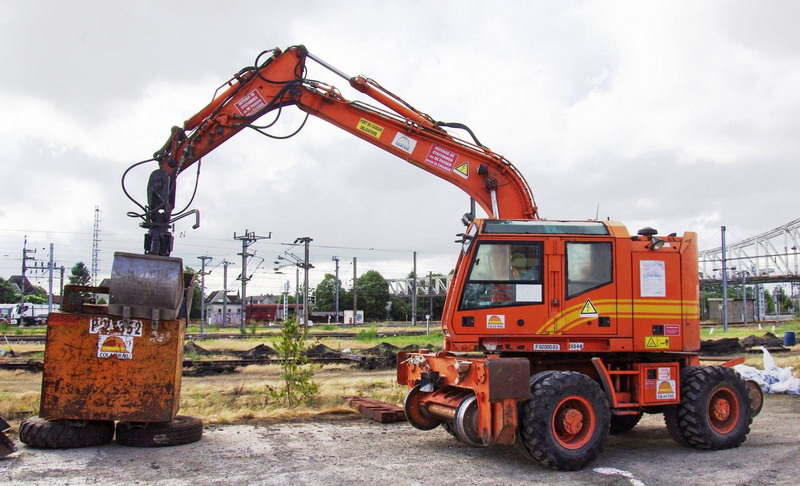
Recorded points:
504,274
589,266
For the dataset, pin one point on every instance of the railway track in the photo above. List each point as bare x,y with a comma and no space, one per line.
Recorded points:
214,365
40,338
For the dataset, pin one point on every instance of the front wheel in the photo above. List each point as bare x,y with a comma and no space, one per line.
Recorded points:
715,411
565,424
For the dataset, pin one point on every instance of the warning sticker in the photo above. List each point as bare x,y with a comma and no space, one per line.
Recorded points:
665,390
104,325
120,347
589,310
672,330
664,373
251,103
494,321
462,170
404,142
441,158
370,128
656,342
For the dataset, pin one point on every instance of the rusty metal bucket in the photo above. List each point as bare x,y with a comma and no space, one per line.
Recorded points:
145,286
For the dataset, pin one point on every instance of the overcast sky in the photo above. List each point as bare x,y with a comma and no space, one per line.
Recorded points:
682,116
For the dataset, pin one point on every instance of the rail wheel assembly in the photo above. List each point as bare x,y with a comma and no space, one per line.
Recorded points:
715,410
65,434
566,422
182,430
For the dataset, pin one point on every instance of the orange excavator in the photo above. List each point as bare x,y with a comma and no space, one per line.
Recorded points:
557,333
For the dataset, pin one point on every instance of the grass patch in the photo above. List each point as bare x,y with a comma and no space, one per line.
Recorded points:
367,335
716,332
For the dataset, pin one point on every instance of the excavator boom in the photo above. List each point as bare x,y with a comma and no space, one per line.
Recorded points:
396,127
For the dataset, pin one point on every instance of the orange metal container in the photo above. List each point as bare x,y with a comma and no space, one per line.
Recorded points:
102,367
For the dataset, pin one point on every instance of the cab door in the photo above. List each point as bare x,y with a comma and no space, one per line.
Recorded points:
590,293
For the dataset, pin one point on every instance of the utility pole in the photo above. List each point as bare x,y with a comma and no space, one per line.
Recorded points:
247,239
25,258
203,274
336,293
306,266
414,293
50,282
355,290
96,246
225,264
724,283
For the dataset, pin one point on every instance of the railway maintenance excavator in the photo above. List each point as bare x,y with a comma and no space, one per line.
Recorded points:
556,333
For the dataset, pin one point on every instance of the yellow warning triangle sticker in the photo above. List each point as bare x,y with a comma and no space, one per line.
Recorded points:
589,309
462,170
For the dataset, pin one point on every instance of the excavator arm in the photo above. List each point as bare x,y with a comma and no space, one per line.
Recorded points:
396,127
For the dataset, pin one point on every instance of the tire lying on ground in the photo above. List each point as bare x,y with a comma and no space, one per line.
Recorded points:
65,434
715,410
182,430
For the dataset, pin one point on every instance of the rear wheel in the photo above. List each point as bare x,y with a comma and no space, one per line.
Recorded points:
566,422
715,411
182,430
63,434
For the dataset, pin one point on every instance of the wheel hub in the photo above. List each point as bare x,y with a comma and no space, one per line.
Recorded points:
571,421
721,409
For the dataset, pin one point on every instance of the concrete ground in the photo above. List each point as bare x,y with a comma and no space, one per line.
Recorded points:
354,450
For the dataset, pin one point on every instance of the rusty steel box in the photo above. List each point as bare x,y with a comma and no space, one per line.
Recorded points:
103,367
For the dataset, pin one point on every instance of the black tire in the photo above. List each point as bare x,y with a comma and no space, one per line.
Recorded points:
62,434
182,430
565,424
624,423
715,411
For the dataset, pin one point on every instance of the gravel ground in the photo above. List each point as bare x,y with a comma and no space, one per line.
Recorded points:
354,450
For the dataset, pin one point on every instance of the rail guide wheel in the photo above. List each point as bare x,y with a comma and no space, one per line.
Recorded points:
415,414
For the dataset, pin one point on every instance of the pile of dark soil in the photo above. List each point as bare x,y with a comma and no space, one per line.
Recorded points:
260,351
769,340
384,355
191,347
322,351
732,346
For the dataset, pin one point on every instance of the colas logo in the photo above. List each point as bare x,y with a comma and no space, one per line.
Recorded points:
495,322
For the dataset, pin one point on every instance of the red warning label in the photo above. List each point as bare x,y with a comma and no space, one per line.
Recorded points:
251,103
442,158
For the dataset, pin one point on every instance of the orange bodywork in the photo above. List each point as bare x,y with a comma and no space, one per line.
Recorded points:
630,322
98,368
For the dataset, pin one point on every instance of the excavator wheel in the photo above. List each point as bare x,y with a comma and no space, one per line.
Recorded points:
565,424
624,423
63,434
715,410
